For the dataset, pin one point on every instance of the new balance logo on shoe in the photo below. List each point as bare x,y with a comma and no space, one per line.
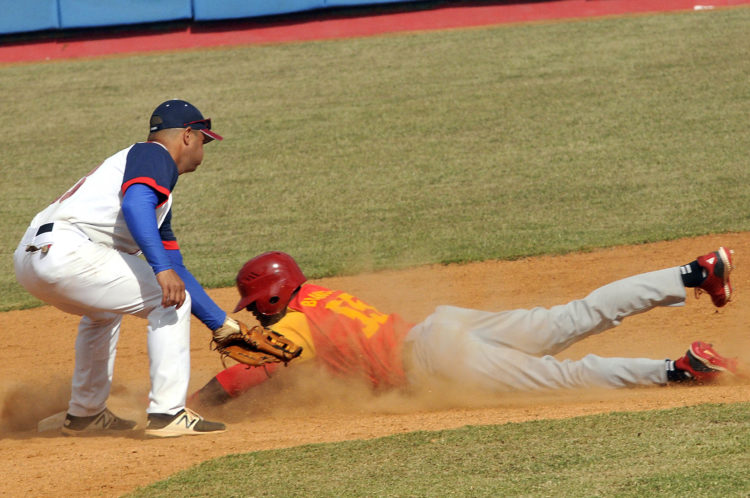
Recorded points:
185,419
103,422
184,423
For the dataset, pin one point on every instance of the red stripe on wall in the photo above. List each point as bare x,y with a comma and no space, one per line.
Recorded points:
318,27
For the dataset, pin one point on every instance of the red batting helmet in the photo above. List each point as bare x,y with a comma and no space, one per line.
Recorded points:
269,280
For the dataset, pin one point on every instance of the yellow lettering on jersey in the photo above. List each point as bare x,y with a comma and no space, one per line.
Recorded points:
312,300
351,307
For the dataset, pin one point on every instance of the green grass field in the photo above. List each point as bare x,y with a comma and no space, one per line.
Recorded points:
701,451
403,150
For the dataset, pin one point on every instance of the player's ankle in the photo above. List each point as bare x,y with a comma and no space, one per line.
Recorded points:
675,374
692,274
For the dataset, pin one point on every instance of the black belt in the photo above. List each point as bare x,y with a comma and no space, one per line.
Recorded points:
47,227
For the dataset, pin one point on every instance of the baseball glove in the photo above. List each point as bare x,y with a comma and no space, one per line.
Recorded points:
253,346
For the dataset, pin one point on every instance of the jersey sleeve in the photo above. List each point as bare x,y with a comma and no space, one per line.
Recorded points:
150,164
168,238
240,378
138,205
296,328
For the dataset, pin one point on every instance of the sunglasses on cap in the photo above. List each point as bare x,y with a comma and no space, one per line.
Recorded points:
204,126
206,122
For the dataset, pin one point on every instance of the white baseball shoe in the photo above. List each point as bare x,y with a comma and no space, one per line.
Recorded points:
184,423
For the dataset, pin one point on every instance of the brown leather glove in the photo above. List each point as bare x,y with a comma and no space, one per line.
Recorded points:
253,346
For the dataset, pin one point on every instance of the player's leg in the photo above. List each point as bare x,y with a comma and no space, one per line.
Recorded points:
96,345
440,351
498,368
169,357
65,276
92,280
550,330
129,287
446,355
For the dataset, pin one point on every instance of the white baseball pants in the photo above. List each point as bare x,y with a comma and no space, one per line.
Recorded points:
511,350
102,284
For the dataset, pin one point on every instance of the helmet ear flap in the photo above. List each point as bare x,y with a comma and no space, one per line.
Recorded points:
270,295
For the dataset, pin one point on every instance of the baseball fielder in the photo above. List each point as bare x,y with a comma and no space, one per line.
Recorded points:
494,351
81,255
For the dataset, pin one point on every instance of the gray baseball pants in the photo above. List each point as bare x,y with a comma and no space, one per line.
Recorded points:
511,350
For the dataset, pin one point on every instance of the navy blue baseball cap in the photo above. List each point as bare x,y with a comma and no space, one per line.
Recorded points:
180,114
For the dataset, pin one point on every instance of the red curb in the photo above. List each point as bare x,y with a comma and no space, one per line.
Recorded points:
320,28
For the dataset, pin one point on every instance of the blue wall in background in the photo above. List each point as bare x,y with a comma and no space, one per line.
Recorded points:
23,16
89,13
28,15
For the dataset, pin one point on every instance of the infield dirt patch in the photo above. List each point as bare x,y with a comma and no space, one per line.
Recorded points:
316,409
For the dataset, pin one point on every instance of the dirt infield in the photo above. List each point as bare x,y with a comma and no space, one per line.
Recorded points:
49,464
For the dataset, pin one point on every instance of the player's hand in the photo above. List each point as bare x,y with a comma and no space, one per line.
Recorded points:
172,288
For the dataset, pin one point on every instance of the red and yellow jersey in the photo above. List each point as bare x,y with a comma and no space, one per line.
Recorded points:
346,334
